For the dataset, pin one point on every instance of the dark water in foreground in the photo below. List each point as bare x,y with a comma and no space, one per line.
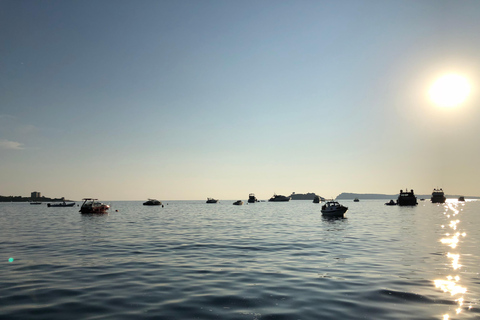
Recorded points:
191,260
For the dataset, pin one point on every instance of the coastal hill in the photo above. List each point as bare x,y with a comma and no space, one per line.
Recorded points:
366,196
28,199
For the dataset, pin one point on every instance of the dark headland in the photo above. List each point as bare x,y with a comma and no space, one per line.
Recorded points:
29,199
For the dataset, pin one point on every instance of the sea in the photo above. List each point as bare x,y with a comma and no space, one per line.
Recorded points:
192,260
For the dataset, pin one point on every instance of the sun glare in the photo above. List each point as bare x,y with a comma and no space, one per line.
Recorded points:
449,90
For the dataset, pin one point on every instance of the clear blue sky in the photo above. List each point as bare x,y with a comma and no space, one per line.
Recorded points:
125,100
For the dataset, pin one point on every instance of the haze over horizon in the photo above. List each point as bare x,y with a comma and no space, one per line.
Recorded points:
184,100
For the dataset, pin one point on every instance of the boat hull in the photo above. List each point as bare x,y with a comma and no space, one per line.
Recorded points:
101,209
338,212
438,199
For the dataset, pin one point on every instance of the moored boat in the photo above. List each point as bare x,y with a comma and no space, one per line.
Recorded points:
356,200
252,198
279,198
407,198
333,209
60,205
461,198
391,203
152,202
90,205
238,203
35,202
211,200
438,196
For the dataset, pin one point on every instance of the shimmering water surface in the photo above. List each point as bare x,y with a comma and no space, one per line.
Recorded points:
192,260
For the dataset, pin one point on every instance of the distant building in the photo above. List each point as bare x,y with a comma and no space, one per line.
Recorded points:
36,194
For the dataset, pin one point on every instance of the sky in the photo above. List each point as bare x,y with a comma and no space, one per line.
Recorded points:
187,99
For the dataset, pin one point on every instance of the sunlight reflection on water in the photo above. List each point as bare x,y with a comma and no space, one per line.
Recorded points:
450,285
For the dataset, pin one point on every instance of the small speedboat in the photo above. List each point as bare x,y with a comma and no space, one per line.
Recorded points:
211,200
391,203
333,209
238,203
152,202
91,205
462,198
60,205
356,200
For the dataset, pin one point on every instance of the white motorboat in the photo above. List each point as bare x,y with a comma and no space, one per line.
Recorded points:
90,205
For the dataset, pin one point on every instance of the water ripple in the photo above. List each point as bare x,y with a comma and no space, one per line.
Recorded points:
263,261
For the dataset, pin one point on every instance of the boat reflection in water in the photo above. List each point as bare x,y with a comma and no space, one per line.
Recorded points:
451,282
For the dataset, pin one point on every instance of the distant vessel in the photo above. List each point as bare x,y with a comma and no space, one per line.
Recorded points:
238,203
391,203
90,205
462,198
303,196
211,200
333,209
279,198
356,200
61,204
407,198
252,198
438,196
152,202
318,199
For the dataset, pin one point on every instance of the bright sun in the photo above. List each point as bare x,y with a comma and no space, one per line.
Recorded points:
449,90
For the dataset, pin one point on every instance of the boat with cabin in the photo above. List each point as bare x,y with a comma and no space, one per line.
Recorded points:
461,199
238,203
279,198
152,202
252,198
333,209
407,198
91,205
211,200
438,196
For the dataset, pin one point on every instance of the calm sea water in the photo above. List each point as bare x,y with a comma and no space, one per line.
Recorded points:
192,260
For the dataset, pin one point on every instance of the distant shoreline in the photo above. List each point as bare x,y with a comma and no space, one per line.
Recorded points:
30,199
